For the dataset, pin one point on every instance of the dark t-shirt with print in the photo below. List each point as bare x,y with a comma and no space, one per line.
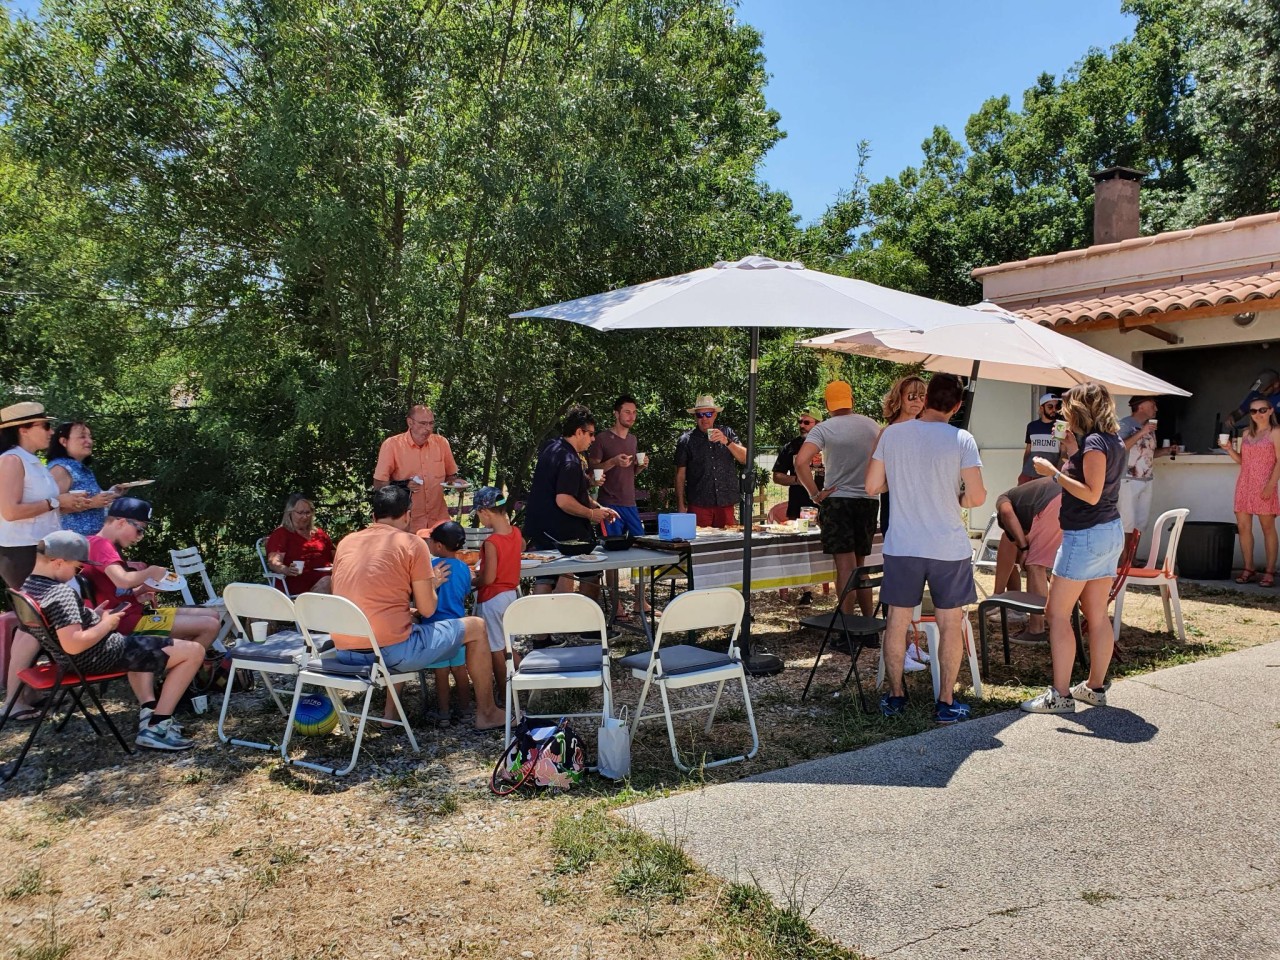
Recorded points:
63,607
1040,437
1075,513
559,470
797,495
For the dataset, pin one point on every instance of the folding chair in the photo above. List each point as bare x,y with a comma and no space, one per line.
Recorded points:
850,625
685,665
1157,573
274,579
61,674
556,668
281,655
319,613
188,563
984,553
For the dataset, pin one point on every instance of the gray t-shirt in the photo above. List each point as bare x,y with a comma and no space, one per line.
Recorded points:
846,443
922,463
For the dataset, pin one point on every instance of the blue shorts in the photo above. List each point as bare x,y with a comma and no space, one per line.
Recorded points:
950,582
1090,554
427,645
628,519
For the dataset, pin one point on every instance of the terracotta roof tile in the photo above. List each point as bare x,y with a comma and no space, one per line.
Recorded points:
1136,303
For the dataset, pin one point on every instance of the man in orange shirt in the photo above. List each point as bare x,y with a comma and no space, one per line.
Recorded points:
420,460
381,569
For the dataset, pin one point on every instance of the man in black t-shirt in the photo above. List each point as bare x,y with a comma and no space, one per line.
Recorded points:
90,636
560,506
784,468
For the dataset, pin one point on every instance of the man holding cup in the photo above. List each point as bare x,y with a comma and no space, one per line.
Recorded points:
707,461
1138,431
614,454
1041,441
420,460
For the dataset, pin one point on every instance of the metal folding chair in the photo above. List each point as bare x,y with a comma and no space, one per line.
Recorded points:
850,625
188,564
274,579
62,677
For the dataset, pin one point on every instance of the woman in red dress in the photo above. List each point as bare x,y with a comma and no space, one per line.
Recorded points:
298,539
1259,460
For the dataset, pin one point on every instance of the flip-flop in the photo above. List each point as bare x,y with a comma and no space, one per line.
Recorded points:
624,617
25,715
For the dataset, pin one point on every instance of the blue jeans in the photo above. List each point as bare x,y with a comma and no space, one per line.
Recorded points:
426,645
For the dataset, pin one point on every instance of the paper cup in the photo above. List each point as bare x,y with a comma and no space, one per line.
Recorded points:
258,631
298,567
599,475
200,703
642,458
1059,429
1224,439
1165,443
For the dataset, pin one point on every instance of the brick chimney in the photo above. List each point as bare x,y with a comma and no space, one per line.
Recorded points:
1115,204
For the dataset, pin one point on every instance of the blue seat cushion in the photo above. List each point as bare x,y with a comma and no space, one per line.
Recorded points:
678,659
278,649
563,660
339,669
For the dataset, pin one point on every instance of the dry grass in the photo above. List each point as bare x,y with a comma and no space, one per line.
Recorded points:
227,852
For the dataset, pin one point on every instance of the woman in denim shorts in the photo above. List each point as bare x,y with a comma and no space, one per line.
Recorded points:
1092,540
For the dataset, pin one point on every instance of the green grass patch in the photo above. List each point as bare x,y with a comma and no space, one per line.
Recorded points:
27,883
753,925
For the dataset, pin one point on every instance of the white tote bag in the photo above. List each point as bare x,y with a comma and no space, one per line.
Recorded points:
614,747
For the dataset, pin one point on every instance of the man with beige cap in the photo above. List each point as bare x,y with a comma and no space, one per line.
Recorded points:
707,461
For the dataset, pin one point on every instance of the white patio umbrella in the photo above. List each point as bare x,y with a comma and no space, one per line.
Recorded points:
757,292
1014,350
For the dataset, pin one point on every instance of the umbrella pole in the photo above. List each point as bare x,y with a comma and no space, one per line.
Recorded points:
757,664
972,389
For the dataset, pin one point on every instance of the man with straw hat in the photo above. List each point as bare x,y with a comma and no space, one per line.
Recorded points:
707,461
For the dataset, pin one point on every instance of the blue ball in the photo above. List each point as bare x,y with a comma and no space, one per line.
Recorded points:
315,716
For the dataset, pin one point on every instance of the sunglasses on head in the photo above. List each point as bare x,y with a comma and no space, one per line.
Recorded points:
705,414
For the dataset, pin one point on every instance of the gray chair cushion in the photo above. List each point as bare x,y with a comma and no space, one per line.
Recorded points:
678,659
277,649
563,660
338,669
858,626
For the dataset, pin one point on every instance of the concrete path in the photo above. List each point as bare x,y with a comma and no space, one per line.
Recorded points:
1150,828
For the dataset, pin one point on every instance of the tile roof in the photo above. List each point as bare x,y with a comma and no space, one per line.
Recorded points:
1140,303
1102,249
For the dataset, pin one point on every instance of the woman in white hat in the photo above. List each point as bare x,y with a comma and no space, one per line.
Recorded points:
30,504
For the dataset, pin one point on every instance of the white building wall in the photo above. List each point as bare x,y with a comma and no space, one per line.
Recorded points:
1001,412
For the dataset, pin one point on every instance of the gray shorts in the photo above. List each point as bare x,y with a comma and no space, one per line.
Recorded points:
491,612
950,582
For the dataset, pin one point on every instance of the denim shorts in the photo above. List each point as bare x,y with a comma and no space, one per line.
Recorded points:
1090,554
426,645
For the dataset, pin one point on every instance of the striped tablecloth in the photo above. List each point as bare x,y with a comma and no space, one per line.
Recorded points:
777,560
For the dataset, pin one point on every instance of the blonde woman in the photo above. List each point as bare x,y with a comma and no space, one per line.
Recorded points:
299,540
1092,540
903,402
1259,460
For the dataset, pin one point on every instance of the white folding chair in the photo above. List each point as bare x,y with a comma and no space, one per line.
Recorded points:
188,563
319,613
274,579
281,655
556,668
984,552
1160,574
685,665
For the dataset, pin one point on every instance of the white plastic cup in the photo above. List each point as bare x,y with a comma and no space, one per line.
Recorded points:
1165,443
1224,439
79,493
258,631
599,475
642,458
200,703
1059,429
298,567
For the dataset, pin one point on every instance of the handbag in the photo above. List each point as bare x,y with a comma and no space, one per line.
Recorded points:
613,744
543,756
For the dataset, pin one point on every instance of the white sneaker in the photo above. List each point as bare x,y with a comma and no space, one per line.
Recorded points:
1049,702
1086,694
144,720
915,653
912,665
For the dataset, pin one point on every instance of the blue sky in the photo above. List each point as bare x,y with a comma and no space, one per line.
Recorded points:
888,72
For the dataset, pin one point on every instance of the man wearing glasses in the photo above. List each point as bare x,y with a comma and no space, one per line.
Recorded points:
707,461
1040,439
1138,431
784,468
419,460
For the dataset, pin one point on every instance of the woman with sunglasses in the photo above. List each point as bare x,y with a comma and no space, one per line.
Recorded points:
30,504
903,402
1259,460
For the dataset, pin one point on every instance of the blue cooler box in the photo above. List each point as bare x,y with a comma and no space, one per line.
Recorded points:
677,526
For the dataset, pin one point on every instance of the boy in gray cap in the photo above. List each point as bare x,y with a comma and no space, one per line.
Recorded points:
91,636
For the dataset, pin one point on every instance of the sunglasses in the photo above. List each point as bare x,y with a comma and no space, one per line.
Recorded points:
807,423
140,527
705,414
1259,409
914,396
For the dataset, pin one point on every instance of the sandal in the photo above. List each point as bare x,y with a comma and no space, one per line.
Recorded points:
1267,580
1246,576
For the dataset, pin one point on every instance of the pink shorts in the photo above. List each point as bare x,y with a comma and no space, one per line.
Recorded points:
1045,536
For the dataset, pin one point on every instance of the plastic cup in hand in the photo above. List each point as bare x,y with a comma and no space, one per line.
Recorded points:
1059,430
1164,444
200,703
1224,439
642,458
599,475
298,566
258,631
79,493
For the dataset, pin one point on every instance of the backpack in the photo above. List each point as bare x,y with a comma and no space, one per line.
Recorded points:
550,755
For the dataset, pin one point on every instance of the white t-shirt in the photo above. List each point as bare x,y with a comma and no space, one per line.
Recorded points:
846,443
922,462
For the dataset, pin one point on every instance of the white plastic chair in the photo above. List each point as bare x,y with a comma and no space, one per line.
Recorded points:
685,665
984,552
188,563
556,668
273,579
1159,574
928,628
319,613
281,655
